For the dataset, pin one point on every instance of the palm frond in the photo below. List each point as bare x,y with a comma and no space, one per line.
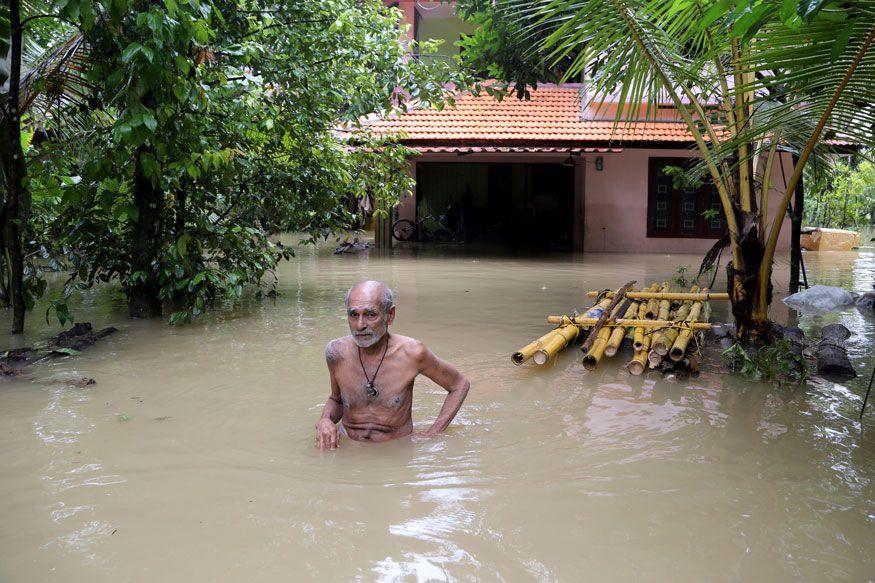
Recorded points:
55,91
799,68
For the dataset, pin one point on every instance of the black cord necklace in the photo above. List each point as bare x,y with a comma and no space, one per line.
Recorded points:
370,389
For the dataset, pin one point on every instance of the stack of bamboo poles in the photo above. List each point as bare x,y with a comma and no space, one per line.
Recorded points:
659,323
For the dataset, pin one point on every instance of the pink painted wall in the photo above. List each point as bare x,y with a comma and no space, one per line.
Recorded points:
616,206
407,206
614,200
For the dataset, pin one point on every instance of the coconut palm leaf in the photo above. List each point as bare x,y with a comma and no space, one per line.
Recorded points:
53,89
800,68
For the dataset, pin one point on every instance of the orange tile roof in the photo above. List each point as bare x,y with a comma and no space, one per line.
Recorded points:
551,117
428,149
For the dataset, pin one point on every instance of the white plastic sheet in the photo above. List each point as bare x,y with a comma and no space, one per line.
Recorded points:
820,299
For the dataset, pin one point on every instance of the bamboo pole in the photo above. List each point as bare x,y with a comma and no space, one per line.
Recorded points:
600,342
541,346
638,363
642,309
529,350
664,342
664,308
562,337
679,347
587,322
619,332
638,334
653,303
596,310
594,354
683,340
593,332
653,358
676,296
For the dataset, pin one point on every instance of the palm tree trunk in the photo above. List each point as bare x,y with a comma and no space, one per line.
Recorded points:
14,170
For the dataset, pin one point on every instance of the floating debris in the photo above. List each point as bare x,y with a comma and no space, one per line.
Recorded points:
354,246
67,343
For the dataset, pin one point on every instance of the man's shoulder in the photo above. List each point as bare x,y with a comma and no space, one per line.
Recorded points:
337,348
411,347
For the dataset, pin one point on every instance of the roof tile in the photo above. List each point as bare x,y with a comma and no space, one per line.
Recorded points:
551,116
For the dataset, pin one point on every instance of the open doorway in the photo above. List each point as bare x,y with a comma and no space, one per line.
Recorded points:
527,205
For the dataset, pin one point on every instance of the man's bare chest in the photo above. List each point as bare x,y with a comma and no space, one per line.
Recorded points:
391,387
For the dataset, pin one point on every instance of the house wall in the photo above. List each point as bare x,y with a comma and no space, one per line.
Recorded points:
616,205
611,204
448,30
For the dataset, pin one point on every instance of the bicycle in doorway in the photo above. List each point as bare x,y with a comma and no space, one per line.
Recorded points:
425,230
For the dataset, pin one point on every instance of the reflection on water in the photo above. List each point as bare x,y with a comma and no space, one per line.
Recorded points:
553,474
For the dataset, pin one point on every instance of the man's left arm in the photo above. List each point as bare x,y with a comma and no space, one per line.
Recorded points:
447,376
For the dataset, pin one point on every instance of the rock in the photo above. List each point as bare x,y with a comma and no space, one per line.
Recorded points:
832,358
866,301
834,333
793,333
724,335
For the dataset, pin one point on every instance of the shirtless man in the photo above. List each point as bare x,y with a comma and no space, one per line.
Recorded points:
372,374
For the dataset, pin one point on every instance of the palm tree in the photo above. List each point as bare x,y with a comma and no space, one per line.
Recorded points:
33,80
750,79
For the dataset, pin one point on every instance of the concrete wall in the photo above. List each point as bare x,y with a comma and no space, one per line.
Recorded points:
611,204
616,206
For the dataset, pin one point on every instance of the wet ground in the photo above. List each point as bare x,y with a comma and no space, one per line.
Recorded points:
192,456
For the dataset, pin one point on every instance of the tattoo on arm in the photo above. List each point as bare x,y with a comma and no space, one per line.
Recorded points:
332,352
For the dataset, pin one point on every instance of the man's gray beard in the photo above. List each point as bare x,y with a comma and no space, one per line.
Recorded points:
367,343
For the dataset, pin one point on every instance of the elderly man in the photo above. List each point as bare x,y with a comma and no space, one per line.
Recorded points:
372,374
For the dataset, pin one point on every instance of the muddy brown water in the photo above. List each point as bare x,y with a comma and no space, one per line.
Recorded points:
192,458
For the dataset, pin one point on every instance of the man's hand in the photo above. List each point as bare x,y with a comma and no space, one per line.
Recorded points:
423,435
326,434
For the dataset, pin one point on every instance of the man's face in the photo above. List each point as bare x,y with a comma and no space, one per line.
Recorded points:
368,323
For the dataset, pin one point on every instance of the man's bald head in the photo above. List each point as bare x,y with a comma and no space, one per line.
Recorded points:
371,291
369,311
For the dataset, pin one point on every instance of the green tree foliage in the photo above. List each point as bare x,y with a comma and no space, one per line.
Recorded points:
840,194
208,126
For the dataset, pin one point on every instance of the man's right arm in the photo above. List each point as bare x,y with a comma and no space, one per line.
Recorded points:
326,427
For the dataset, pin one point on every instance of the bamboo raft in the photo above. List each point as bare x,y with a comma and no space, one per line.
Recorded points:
660,324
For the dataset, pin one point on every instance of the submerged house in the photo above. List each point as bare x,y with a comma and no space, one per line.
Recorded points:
551,172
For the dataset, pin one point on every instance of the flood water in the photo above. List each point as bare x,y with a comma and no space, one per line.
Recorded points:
192,458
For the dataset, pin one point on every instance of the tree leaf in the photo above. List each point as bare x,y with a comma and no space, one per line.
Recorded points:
841,42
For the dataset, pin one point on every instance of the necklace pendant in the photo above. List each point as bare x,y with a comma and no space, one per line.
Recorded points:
371,390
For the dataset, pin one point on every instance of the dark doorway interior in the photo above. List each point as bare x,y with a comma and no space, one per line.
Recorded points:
523,205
